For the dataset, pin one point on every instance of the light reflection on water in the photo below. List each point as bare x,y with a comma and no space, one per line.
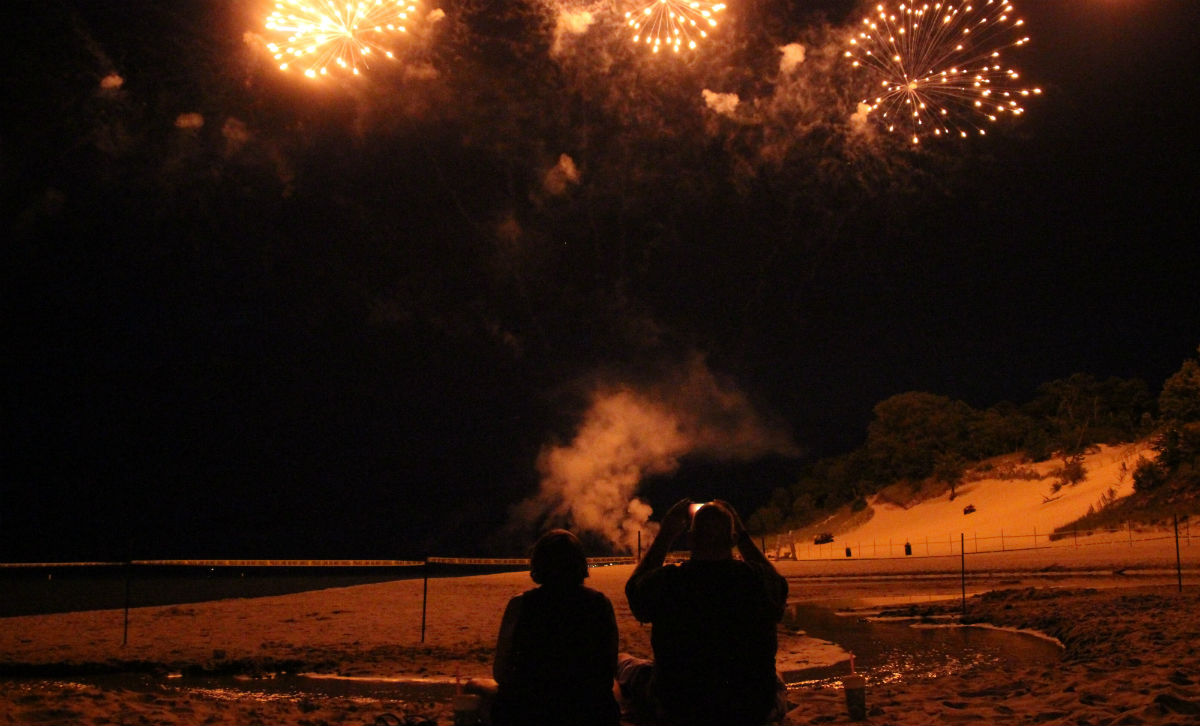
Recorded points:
885,651
285,686
890,651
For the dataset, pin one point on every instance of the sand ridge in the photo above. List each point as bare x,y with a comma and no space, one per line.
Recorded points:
1133,660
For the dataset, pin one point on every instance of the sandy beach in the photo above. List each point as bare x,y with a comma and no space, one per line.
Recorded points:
1126,636
1129,647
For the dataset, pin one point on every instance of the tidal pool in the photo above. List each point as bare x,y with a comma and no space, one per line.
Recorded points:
898,650
884,650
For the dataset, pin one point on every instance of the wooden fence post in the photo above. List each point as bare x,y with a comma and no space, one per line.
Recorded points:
1178,564
424,597
962,554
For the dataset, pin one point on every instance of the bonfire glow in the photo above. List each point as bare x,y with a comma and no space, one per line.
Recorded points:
323,34
939,66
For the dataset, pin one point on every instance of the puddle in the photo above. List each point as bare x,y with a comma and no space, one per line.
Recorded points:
885,650
287,686
892,650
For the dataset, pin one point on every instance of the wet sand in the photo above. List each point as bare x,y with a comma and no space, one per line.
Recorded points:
1130,652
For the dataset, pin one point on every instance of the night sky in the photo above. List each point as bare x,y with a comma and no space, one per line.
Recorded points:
342,318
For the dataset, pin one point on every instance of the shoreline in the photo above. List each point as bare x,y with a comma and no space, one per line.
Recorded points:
1132,661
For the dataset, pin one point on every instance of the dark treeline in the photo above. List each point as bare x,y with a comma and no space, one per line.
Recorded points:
917,436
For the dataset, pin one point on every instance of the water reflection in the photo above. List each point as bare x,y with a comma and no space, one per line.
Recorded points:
885,651
286,686
889,651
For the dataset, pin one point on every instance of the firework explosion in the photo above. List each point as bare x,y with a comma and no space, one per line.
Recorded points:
324,33
939,66
672,23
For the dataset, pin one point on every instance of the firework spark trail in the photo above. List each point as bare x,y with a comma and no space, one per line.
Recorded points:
940,67
324,33
673,23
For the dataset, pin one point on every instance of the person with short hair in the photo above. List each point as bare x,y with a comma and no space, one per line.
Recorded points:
713,625
556,655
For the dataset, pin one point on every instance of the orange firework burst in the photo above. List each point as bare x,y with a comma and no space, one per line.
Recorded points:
939,66
322,33
673,24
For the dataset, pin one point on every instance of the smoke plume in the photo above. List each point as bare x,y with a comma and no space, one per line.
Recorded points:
793,56
858,119
723,103
189,121
236,135
560,176
570,22
630,432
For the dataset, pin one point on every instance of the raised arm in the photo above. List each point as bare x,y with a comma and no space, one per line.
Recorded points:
637,590
776,585
742,539
674,523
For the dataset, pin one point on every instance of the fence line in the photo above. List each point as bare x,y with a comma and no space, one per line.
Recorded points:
40,565
836,550
975,544
279,563
488,561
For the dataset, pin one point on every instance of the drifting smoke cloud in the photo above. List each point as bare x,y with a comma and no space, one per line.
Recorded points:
570,22
631,432
189,121
791,106
508,229
560,176
793,56
811,115
236,135
860,117
723,103
421,72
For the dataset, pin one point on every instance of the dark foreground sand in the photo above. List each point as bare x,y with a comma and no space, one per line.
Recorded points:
1130,656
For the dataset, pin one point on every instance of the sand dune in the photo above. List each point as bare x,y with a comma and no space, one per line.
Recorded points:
1009,513
1130,637
1128,651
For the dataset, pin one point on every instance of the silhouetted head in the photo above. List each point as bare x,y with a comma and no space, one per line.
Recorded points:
712,532
558,559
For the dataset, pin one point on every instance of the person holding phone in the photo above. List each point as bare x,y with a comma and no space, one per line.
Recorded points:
713,625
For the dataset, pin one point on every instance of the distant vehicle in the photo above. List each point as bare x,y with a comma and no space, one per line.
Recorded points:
823,538
968,509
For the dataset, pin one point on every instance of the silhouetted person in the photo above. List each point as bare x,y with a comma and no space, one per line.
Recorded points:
556,656
714,620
